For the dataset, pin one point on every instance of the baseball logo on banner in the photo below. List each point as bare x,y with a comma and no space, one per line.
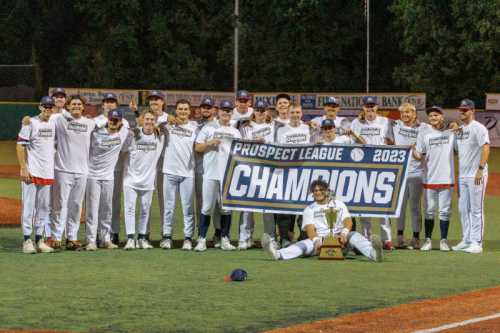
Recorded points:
275,179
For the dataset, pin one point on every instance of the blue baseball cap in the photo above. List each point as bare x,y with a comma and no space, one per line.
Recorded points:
59,91
261,104
109,96
225,104
242,94
434,108
156,93
47,100
370,100
330,100
115,114
328,123
208,101
238,274
466,104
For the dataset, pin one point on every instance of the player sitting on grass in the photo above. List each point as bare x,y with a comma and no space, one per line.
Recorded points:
316,226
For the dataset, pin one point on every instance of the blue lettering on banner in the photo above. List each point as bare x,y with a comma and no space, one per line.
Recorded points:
276,179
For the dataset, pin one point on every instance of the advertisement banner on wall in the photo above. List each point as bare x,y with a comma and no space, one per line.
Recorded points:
491,120
492,102
94,96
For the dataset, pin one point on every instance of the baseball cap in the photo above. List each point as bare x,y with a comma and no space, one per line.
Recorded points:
260,104
109,96
330,100
466,104
58,91
434,108
115,114
156,93
47,100
238,274
225,104
242,94
327,123
370,100
208,101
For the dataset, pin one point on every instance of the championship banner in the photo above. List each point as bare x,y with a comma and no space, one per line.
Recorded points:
268,178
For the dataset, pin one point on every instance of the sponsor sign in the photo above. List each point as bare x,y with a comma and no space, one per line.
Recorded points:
94,96
492,102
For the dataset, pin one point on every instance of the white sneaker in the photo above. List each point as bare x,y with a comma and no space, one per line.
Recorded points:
443,245
378,247
242,245
166,244
109,245
144,244
474,248
28,247
217,242
461,246
427,245
91,246
130,245
201,245
43,248
225,244
267,244
187,245
275,244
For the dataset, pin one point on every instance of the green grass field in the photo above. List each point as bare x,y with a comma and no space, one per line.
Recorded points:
176,291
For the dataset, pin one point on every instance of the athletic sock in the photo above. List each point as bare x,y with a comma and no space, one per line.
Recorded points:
130,236
416,235
187,238
37,238
429,226
26,237
217,233
204,224
225,224
400,232
444,226
142,236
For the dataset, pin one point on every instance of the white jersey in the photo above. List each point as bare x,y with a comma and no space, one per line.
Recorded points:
179,152
294,135
263,131
38,137
340,122
236,116
374,132
407,136
140,167
198,157
469,143
340,139
104,152
215,159
315,215
437,146
101,121
73,142
282,121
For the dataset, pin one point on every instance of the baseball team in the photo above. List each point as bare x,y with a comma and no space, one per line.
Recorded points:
67,160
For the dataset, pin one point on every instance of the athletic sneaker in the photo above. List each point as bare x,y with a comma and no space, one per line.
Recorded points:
217,242
400,243
274,243
414,244
187,245
443,245
201,245
225,244
109,245
242,245
166,243
73,245
130,245
91,246
267,244
427,245
377,246
388,245
43,248
461,246
28,247
144,244
474,248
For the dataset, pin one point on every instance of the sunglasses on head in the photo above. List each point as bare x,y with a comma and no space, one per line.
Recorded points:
47,106
114,120
243,100
327,128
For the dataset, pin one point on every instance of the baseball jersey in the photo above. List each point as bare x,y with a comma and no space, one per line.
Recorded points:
315,215
374,132
38,138
340,122
469,143
105,149
179,152
437,146
215,159
240,116
101,121
407,136
294,135
340,139
73,142
140,166
263,131
198,157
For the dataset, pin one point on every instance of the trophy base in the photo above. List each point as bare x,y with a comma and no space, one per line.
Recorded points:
331,250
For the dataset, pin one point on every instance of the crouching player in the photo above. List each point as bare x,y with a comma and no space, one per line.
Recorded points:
316,226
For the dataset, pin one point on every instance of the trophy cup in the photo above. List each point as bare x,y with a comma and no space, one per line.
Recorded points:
331,249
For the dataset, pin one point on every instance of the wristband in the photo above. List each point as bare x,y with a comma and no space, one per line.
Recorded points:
345,232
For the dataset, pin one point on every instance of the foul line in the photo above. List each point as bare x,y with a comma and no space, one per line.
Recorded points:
458,324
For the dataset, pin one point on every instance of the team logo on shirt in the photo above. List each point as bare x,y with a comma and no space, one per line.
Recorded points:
77,127
440,140
320,213
296,138
181,131
261,133
461,135
370,131
110,142
146,146
45,133
408,132
223,136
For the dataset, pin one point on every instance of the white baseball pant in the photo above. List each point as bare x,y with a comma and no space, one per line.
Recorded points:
48,223
69,192
35,211
247,224
471,208
438,200
117,195
198,197
269,225
130,198
413,196
98,209
185,186
160,190
211,197
385,228
305,248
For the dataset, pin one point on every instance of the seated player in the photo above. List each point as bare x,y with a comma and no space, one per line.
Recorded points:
316,226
